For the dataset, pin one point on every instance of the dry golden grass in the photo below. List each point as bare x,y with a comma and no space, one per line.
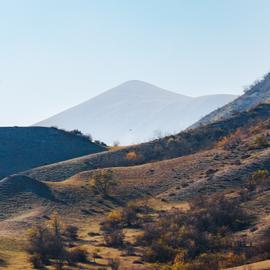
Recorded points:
118,147
263,265
163,185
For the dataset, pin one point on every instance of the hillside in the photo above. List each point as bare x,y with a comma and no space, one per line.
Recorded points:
135,112
257,93
184,143
223,158
215,168
23,148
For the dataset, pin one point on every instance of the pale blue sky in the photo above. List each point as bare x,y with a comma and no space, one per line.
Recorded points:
57,53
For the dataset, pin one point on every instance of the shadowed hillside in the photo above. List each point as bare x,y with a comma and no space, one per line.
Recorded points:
23,148
16,184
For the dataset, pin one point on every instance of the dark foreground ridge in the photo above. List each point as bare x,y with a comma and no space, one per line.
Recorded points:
23,148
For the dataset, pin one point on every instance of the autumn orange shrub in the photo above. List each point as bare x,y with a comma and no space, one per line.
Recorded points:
132,155
231,141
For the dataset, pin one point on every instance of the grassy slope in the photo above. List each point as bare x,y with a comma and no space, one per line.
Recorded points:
164,184
174,180
263,265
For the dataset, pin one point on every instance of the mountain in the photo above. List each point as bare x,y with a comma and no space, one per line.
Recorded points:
23,148
134,112
257,93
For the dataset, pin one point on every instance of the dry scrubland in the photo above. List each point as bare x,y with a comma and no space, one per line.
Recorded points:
150,184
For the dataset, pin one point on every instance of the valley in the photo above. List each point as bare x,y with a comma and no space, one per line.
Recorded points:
134,135
157,175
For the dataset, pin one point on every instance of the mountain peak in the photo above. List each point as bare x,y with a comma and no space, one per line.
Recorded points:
133,111
133,82
144,89
137,84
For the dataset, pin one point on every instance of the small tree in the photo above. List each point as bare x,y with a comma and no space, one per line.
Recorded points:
58,251
103,182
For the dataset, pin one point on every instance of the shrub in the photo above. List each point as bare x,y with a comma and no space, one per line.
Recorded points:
114,238
78,133
159,251
132,155
133,215
71,232
129,250
261,141
113,221
37,261
77,255
231,141
184,236
259,179
46,244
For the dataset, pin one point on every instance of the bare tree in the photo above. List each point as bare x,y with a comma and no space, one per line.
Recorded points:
104,182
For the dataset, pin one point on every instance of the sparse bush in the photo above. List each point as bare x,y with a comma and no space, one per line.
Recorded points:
78,133
71,232
77,255
131,216
113,221
98,142
261,141
259,179
114,238
37,261
231,141
159,251
46,243
201,230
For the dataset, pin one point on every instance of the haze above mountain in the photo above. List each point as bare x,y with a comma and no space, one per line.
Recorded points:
134,112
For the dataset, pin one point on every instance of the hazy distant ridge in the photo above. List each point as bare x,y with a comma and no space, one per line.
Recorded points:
135,111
